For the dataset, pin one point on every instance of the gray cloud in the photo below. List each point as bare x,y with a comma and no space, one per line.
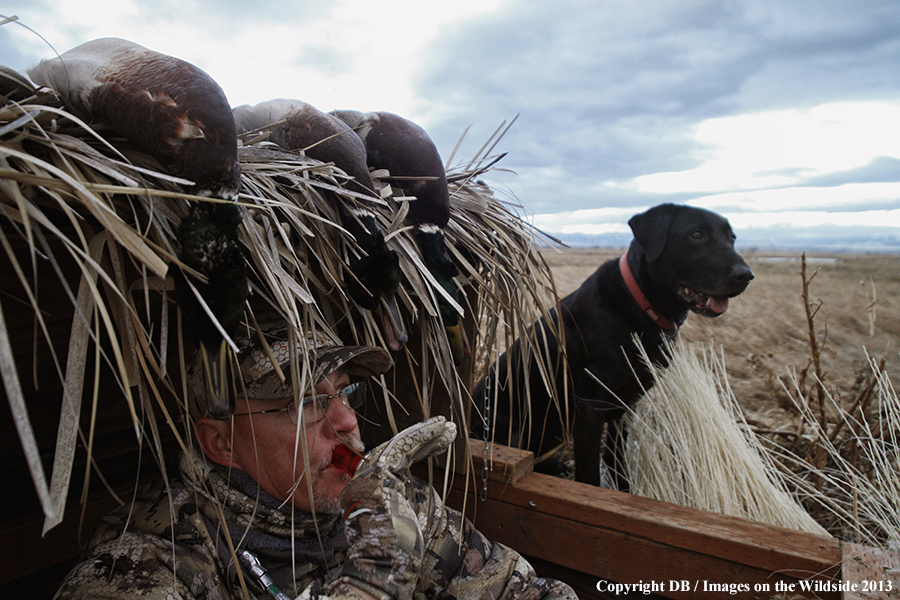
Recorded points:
608,91
880,170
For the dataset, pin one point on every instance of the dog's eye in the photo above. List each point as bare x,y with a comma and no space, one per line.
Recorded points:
697,235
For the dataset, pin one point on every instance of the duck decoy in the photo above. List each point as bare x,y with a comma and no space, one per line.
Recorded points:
296,125
406,150
177,114
376,274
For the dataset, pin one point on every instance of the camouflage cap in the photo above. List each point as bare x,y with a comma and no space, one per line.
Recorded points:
260,379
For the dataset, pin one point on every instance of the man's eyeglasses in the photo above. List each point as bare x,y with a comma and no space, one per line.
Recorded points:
315,407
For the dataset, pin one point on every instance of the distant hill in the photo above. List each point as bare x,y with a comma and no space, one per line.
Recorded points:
813,239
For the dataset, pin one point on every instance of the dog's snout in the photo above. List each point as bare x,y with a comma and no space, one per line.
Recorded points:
742,273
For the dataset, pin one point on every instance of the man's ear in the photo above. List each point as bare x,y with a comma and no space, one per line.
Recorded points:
214,438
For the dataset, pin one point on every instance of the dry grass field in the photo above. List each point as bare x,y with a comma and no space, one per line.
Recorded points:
764,338
764,335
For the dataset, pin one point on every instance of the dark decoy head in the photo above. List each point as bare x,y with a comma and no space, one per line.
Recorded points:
405,149
165,106
431,244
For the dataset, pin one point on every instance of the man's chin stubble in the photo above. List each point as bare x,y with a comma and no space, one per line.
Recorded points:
327,503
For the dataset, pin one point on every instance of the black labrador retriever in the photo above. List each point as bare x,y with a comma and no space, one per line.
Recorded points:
682,259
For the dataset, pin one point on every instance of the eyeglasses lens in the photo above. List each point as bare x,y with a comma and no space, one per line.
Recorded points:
315,407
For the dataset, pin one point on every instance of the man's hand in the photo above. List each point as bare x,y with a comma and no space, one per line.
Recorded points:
386,545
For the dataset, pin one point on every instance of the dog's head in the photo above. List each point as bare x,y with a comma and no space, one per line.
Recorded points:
691,252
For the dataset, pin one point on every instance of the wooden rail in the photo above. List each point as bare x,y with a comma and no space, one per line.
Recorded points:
678,552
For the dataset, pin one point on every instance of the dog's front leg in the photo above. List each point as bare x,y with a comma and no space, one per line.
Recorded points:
587,433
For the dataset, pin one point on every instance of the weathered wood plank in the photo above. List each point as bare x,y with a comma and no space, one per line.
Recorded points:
506,464
629,539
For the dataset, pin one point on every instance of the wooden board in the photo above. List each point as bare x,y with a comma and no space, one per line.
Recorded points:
680,552
505,464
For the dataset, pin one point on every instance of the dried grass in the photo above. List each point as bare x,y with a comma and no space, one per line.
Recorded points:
856,492
66,188
689,445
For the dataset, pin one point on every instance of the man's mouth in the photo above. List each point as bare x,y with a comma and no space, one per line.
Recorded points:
344,459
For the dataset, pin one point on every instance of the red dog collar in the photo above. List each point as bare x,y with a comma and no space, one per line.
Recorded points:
640,297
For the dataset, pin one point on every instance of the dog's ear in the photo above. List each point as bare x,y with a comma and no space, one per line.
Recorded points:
651,229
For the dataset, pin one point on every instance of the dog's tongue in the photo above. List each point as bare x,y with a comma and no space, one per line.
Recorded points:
345,459
718,304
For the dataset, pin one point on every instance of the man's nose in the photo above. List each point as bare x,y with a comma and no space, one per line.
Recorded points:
341,417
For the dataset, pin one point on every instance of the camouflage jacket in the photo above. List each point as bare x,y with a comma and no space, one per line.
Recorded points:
171,544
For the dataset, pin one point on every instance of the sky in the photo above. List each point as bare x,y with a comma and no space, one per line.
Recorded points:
783,115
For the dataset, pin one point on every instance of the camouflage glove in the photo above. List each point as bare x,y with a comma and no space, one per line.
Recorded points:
384,534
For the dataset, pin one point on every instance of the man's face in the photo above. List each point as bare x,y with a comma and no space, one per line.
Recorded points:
264,447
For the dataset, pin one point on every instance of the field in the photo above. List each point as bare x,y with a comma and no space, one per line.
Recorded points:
764,335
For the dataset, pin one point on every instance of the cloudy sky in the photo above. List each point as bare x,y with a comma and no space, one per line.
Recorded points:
784,115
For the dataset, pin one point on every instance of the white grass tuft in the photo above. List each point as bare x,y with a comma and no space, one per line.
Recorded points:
689,444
